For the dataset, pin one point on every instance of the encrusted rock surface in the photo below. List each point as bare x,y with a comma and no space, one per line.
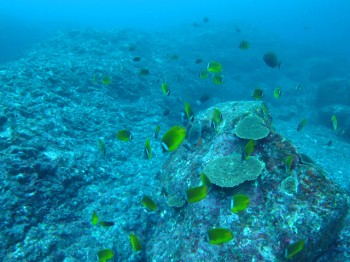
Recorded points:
284,208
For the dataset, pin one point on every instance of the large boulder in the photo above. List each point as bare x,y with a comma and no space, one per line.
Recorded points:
333,91
342,113
285,207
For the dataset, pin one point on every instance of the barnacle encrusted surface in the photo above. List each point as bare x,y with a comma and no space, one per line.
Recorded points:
251,127
230,171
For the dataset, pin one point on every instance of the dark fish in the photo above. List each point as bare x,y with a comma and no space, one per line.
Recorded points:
205,19
258,93
238,30
194,133
271,60
304,159
106,223
136,59
198,61
173,57
301,125
144,72
204,98
166,112
132,48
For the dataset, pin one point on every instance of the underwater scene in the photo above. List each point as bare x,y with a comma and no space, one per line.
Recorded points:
174,130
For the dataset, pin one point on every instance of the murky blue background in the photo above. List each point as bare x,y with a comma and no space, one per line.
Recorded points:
324,24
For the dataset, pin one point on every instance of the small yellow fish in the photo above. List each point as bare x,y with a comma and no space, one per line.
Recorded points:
105,255
248,149
294,249
173,138
289,161
148,149
149,203
135,243
196,194
258,93
218,79
124,135
106,80
94,218
239,203
334,122
277,93
189,111
217,236
214,67
203,74
165,89
244,45
216,119
205,180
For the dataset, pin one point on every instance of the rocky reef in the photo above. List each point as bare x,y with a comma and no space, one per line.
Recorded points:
285,207
62,105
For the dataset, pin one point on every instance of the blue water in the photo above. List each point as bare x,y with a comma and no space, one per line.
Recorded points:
323,24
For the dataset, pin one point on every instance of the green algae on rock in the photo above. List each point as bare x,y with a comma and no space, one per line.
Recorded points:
230,171
251,127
